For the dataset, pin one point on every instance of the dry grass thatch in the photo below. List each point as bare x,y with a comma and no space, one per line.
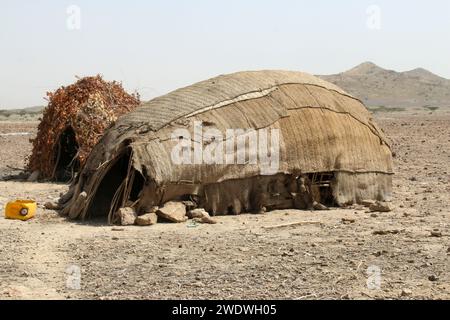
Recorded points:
81,112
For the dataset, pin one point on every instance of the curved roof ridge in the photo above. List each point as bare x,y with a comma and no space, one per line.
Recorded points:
181,102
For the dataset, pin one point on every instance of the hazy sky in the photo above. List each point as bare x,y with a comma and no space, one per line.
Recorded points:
157,46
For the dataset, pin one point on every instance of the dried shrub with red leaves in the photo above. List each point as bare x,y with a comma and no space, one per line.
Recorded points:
88,106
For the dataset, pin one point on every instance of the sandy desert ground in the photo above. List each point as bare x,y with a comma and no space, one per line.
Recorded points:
238,257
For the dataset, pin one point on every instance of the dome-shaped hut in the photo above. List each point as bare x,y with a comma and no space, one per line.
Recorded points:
73,122
294,129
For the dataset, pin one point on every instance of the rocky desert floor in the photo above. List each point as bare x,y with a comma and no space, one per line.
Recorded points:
341,254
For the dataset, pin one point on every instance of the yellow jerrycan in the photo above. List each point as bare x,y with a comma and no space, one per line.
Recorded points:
20,209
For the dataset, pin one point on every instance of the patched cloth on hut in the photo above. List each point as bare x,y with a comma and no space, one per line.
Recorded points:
325,135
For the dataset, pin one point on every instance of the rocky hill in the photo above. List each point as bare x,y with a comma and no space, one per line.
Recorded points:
378,87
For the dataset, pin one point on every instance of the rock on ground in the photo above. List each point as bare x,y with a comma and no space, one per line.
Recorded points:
207,220
380,207
127,216
34,176
173,211
51,206
147,219
201,215
197,213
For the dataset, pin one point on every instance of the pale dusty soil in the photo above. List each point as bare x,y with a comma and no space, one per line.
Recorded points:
15,148
238,258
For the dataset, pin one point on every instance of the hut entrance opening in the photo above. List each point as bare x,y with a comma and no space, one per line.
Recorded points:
66,156
322,187
119,187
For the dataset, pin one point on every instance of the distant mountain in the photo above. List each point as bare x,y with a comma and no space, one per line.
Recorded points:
378,87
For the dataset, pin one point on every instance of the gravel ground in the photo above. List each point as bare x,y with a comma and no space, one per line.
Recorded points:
239,257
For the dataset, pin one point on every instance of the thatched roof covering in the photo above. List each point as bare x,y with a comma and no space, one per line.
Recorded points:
323,129
87,108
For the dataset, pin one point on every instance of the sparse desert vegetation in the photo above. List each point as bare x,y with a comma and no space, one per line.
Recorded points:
26,114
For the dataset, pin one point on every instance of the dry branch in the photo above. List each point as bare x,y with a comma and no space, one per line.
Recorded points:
299,223
89,106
